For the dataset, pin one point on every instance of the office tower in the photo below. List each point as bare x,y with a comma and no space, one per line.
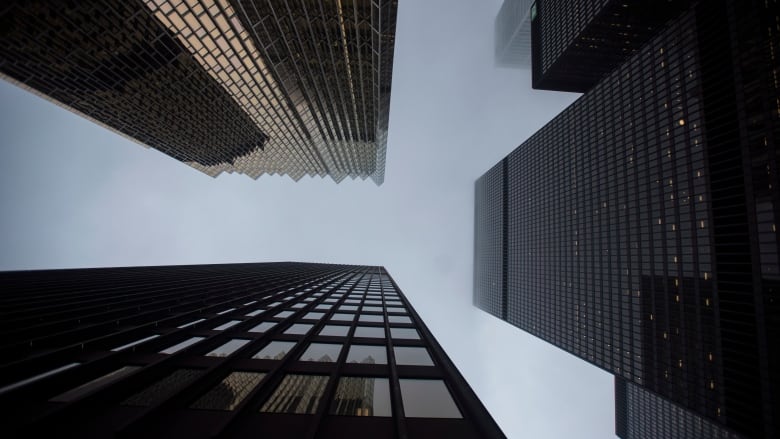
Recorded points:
637,229
513,34
235,350
249,86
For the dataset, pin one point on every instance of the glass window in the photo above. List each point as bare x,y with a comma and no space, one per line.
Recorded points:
335,330
227,325
192,323
283,314
226,311
179,346
373,302
323,352
372,308
399,319
133,343
35,378
314,315
163,388
343,317
370,331
367,354
404,333
250,303
228,348
263,327
412,356
362,396
276,350
323,307
427,399
371,318
229,393
95,384
348,308
298,306
298,328
296,394
255,312
396,310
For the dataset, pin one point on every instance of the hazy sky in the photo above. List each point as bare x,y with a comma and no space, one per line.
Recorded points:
76,195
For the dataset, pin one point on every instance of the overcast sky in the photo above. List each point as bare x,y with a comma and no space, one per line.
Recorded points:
74,194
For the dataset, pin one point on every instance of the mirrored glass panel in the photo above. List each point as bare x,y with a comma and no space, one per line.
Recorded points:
371,318
133,343
229,393
362,396
255,312
367,354
298,328
343,317
427,399
283,314
263,327
322,352
186,325
164,388
397,310
296,394
412,356
179,346
276,350
95,384
370,331
404,333
227,325
314,315
399,319
335,330
372,309
348,308
228,348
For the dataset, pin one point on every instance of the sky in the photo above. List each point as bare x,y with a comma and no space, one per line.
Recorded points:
74,194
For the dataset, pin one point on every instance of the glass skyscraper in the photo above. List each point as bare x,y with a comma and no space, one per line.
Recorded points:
636,230
234,350
250,86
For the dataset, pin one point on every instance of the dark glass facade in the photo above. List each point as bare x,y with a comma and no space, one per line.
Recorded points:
513,34
639,224
254,87
234,350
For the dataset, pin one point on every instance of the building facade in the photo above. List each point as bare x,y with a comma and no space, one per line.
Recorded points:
234,350
513,34
248,86
636,230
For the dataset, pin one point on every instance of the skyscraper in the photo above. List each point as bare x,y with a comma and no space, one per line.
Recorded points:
234,350
513,34
248,86
637,228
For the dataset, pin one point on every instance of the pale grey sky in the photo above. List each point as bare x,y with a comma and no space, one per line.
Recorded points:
76,195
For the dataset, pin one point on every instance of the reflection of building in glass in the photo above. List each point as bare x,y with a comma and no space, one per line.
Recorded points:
224,86
637,228
208,350
513,34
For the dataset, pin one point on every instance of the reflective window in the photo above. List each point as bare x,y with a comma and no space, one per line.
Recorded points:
396,310
34,378
372,308
348,308
427,399
314,315
371,318
263,327
228,348
179,346
404,333
323,352
164,388
276,350
373,302
370,331
343,317
95,384
335,330
399,319
255,312
412,356
227,325
298,306
192,323
367,354
133,343
250,303
229,393
299,328
283,314
226,311
297,394
362,396
323,307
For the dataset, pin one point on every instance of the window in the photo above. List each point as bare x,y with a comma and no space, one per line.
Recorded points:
322,352
227,325
375,318
228,348
179,346
283,314
396,310
362,396
296,394
412,356
263,327
399,319
229,393
348,308
35,378
372,308
343,317
226,311
427,399
255,312
370,331
95,384
164,388
404,333
335,330
192,323
133,343
367,354
275,350
298,328
314,315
